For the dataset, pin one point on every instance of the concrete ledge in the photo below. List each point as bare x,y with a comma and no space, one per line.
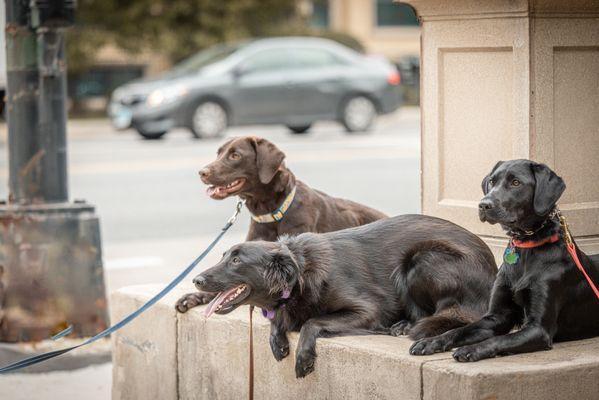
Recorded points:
144,352
569,371
173,356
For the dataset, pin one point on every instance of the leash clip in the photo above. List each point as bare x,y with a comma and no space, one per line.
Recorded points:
564,226
566,230
238,208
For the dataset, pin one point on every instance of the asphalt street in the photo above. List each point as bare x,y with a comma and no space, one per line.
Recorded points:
155,216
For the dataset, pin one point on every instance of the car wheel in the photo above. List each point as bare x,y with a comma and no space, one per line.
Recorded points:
209,120
299,129
358,113
151,135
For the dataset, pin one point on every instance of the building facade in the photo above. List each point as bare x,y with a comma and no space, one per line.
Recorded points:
383,26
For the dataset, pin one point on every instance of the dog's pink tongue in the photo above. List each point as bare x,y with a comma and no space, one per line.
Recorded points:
217,301
217,192
213,304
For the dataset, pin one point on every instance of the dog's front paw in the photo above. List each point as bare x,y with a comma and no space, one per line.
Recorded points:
424,347
191,300
279,346
472,353
304,364
401,328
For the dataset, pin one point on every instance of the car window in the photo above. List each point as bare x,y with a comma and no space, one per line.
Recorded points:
204,58
269,60
314,58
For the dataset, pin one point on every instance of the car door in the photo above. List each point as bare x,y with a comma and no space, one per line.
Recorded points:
262,93
318,82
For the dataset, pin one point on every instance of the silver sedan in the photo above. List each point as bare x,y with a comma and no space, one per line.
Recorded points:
292,81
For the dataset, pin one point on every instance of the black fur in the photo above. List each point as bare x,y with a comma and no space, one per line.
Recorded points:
408,274
543,294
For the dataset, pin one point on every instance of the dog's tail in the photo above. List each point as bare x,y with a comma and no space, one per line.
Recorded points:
441,322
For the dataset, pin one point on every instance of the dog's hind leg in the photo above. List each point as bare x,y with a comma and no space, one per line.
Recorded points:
502,316
336,324
442,321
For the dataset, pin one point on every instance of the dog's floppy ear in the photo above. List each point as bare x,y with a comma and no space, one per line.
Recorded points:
268,159
548,188
485,182
282,271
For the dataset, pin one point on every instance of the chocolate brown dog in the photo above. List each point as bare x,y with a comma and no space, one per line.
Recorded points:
539,288
253,169
427,273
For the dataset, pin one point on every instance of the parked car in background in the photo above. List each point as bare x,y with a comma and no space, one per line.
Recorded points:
293,81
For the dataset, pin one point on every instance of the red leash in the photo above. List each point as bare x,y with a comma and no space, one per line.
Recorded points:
572,250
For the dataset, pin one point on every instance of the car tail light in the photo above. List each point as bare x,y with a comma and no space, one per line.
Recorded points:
394,78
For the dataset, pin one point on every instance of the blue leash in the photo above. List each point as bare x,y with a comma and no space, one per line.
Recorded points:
46,356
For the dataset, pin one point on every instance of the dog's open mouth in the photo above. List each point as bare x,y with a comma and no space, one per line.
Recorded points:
221,192
227,300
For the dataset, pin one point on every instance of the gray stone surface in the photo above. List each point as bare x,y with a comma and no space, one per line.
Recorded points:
89,383
358,367
211,357
569,371
213,363
145,351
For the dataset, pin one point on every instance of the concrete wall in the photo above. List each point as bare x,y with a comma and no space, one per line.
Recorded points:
503,80
165,355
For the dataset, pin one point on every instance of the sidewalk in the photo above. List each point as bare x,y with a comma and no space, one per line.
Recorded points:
90,383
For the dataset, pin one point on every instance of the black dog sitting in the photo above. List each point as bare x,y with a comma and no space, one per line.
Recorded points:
425,272
539,288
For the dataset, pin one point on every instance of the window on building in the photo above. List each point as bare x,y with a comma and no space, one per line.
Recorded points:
320,14
389,13
100,81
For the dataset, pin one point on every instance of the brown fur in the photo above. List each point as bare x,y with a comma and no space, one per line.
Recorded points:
267,183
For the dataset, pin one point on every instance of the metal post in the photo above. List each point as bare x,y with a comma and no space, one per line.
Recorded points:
22,106
36,70
50,248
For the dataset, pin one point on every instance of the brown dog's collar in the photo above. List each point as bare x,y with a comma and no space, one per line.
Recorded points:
279,213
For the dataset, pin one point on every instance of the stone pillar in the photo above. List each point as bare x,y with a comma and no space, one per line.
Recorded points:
504,80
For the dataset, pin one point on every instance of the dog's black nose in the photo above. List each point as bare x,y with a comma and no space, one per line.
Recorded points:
199,281
485,205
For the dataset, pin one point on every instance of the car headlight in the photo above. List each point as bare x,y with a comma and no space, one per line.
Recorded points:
166,95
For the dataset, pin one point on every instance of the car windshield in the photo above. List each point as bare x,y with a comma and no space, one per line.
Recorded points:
203,58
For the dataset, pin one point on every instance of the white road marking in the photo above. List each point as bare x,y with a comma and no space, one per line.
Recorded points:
133,262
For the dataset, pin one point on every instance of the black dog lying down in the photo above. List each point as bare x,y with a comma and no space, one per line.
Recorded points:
423,274
538,288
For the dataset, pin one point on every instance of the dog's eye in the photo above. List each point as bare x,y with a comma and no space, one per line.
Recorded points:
515,182
491,182
234,156
235,260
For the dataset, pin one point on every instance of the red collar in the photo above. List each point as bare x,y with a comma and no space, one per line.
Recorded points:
529,244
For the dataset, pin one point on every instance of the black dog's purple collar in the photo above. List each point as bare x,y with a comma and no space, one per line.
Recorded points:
270,314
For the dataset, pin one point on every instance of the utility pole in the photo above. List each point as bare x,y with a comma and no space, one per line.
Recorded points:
49,247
